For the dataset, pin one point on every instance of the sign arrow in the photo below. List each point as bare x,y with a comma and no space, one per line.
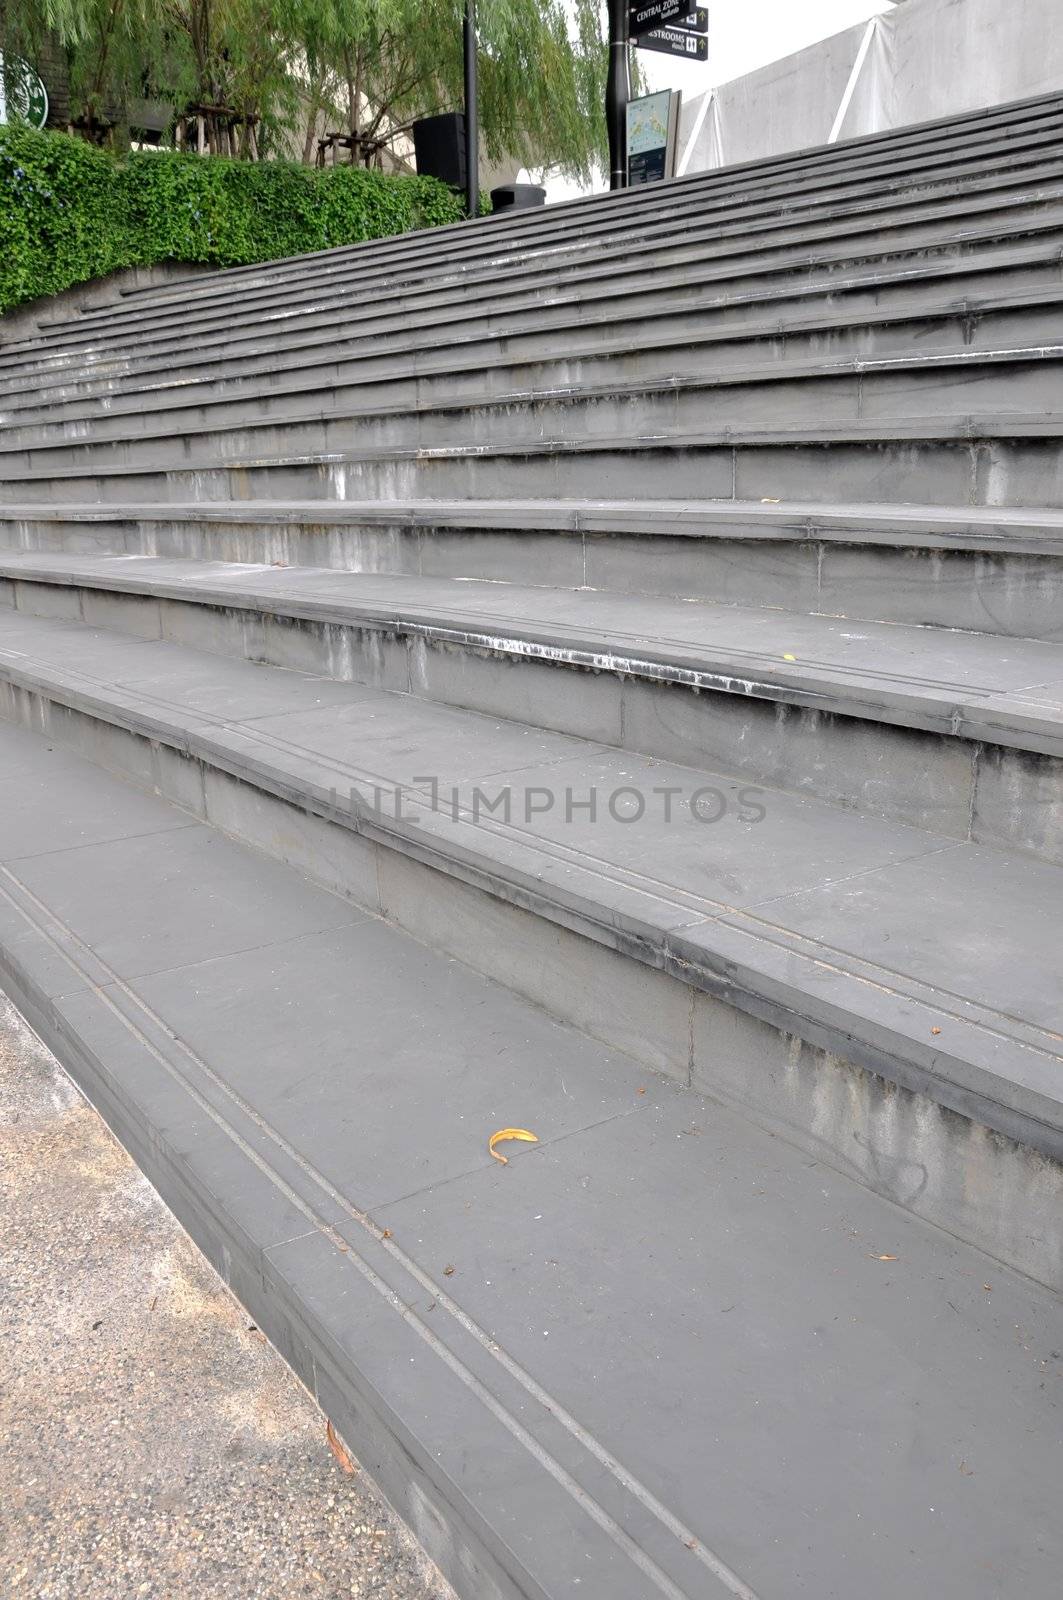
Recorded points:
646,14
674,42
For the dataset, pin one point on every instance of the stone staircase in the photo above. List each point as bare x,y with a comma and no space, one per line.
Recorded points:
597,671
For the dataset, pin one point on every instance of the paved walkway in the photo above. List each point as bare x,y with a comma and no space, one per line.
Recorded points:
151,1442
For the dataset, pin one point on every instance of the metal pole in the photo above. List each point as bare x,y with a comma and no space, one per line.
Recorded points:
617,94
472,121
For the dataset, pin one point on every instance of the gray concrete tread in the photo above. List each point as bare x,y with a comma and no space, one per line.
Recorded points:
941,331
1004,529
398,266
951,986
315,1102
186,478
866,231
15,453
999,264
962,684
201,370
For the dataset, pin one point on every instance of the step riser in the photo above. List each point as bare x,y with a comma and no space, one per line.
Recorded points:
876,396
845,244
506,366
1011,594
842,1100
765,224
991,472
949,783
533,331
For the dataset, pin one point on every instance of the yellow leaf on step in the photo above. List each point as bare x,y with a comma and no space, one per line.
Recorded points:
509,1133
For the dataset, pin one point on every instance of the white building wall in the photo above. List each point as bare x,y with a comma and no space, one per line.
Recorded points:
924,59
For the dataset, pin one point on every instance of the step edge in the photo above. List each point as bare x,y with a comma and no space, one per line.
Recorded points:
891,1049
940,709
172,398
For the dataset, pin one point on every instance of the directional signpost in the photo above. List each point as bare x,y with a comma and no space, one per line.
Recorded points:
676,42
644,15
675,27
685,35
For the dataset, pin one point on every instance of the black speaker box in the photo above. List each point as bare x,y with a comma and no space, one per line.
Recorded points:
439,145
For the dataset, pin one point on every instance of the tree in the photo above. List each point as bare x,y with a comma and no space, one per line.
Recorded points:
107,49
542,72
255,76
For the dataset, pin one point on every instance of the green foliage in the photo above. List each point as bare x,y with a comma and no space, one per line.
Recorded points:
542,70
279,73
69,212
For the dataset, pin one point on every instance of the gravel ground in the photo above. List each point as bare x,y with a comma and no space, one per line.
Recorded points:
151,1442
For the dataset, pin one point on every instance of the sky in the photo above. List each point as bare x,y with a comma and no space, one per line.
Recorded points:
747,34
744,35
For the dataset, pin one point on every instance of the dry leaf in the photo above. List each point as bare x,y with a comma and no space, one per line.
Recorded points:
448,1272
988,1287
885,1258
509,1133
338,1450
640,1091
386,1233
967,1471
935,1030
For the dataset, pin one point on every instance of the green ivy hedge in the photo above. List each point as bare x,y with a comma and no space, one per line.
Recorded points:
70,212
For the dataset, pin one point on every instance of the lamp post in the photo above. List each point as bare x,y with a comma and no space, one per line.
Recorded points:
472,125
617,94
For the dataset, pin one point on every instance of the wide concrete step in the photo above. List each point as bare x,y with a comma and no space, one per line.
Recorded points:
1009,461
1021,159
432,413
855,159
677,887
990,570
958,732
681,345
742,245
312,1090
969,244
982,295
983,282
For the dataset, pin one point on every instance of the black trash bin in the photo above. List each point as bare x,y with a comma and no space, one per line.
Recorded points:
517,197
